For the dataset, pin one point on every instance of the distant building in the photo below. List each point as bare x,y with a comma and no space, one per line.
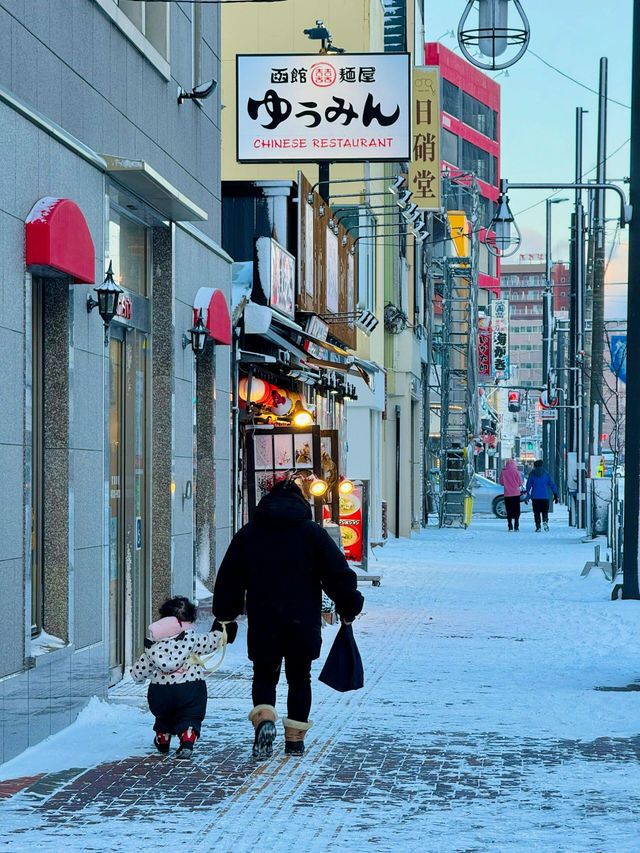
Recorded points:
523,285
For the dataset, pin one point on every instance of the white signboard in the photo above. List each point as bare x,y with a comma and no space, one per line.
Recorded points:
276,274
313,107
333,286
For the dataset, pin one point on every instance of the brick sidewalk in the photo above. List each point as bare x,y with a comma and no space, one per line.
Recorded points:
378,776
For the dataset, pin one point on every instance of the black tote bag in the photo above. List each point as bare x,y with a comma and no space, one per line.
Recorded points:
343,669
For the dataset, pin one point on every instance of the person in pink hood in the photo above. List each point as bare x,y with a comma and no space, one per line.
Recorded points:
511,480
177,693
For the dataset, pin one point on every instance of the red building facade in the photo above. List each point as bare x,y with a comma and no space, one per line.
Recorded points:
470,140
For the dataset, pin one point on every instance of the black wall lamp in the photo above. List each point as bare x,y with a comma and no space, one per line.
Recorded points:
107,301
198,93
198,336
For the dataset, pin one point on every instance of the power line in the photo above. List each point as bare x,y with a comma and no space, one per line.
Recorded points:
588,172
573,80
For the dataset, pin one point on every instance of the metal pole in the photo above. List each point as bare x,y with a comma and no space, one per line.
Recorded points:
597,321
398,424
632,445
547,309
323,180
579,442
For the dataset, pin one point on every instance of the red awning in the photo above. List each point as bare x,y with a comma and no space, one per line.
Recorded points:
58,241
215,314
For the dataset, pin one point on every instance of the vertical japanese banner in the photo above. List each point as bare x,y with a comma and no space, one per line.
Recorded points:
500,338
424,167
484,354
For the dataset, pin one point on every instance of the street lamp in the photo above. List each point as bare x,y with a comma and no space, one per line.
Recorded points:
506,243
507,234
493,35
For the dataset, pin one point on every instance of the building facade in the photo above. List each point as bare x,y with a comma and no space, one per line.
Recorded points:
115,501
523,285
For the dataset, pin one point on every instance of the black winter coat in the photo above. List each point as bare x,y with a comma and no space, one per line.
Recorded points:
283,560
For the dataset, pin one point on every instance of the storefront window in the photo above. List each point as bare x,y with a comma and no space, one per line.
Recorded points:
128,250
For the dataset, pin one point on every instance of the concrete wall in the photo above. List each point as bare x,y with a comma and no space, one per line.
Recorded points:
74,65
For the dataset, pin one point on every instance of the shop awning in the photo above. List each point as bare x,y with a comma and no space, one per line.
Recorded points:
140,178
58,241
215,314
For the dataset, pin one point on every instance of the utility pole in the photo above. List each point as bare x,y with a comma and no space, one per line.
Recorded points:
576,354
548,363
632,445
597,321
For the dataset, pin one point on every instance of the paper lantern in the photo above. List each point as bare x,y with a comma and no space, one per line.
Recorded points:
260,390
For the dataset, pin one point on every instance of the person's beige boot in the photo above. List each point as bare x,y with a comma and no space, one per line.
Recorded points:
294,732
263,718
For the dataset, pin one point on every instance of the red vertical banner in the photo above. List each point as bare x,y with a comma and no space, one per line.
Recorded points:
484,354
351,523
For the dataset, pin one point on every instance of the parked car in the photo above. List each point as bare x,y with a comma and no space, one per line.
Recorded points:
489,497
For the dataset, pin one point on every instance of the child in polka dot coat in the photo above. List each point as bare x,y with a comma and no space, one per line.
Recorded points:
177,693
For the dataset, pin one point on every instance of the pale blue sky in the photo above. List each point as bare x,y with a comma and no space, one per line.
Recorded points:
538,104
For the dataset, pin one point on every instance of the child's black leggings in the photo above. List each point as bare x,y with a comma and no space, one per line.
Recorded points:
178,706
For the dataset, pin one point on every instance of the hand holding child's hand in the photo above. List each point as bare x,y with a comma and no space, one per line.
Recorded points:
232,629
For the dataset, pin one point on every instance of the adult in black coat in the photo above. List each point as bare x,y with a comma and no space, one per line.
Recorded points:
282,561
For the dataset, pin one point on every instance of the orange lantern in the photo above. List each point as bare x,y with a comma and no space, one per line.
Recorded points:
260,390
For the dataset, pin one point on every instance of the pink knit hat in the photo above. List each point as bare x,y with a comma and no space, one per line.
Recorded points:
169,626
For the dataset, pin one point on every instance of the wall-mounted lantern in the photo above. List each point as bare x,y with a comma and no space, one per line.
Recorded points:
107,302
198,336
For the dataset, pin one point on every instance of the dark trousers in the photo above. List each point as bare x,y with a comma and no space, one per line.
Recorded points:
266,674
178,706
512,505
540,508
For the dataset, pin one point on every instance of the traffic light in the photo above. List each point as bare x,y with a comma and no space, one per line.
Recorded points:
514,401
530,445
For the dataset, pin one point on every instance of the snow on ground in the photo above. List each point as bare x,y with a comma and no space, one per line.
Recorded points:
481,725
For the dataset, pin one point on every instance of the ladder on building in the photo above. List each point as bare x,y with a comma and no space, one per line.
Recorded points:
458,391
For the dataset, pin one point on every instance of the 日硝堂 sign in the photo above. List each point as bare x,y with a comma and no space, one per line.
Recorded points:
314,107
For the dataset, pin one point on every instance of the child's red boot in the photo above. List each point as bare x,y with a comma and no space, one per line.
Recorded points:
187,740
162,742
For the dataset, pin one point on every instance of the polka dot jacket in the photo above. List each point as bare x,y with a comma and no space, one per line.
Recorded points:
170,661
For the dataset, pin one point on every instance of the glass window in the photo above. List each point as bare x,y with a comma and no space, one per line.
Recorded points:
151,18
479,116
451,99
478,161
449,147
128,250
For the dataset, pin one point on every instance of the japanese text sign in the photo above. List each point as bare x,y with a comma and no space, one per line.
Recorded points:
424,167
500,337
314,107
484,353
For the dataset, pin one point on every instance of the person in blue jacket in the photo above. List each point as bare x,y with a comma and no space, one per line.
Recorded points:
539,484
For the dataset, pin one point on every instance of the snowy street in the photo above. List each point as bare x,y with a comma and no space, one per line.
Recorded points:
500,712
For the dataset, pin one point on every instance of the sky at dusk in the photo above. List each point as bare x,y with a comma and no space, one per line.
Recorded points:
539,108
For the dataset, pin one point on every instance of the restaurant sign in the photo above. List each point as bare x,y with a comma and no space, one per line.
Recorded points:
316,107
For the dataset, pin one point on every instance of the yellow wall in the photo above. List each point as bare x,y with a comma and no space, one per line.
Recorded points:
278,28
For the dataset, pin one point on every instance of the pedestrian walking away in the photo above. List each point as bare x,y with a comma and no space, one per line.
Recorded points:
283,561
177,693
511,479
539,485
